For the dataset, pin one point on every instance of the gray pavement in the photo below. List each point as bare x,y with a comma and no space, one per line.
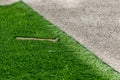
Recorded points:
7,2
93,23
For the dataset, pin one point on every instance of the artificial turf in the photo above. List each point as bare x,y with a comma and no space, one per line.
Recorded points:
43,60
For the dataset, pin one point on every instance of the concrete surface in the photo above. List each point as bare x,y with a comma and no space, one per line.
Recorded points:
93,23
7,2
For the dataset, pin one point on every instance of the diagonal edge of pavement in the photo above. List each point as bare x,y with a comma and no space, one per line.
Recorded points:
94,24
8,2
64,15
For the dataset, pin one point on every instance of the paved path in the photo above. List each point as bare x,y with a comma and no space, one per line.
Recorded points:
93,23
7,2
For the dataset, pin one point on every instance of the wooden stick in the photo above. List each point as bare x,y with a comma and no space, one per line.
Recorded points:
37,39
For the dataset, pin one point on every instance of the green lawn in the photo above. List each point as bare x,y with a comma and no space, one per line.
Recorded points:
43,60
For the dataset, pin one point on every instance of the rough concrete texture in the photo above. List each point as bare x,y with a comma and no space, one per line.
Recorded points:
93,23
7,2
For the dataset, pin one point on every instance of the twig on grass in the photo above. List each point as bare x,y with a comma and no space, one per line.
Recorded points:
37,39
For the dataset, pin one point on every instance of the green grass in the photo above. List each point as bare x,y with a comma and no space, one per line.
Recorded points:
43,60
